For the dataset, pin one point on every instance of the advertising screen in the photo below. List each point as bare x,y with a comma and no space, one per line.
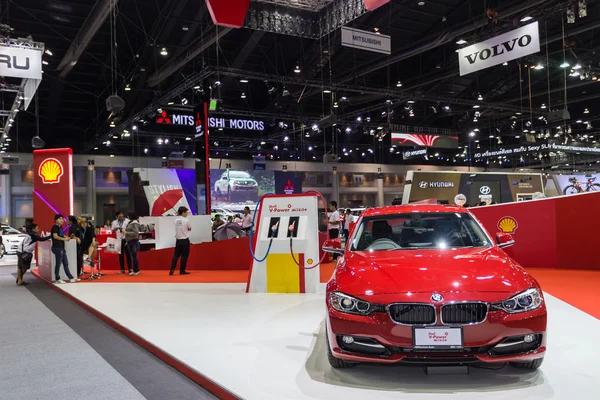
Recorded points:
160,191
287,183
580,183
235,189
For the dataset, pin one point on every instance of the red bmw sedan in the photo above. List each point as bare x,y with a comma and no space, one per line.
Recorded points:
427,285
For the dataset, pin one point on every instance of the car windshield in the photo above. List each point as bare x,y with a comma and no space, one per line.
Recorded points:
10,231
239,175
413,231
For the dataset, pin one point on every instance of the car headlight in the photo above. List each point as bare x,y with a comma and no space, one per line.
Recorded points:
350,305
528,300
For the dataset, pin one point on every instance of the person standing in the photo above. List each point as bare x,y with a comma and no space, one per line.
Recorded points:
132,239
246,221
25,252
349,218
118,227
58,249
182,241
73,233
333,227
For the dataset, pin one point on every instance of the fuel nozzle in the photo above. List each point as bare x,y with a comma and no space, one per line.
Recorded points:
274,227
292,226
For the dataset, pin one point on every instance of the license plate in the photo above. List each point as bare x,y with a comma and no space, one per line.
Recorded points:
437,338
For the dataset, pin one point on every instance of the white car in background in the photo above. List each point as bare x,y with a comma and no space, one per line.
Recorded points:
11,239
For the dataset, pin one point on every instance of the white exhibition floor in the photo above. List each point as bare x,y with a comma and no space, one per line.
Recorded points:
272,347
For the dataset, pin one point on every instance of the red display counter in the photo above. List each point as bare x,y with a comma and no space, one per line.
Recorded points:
547,232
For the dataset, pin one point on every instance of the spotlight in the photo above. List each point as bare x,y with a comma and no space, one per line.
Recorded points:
326,91
586,111
335,105
159,141
527,18
45,62
480,97
243,80
565,65
543,106
243,96
145,151
297,69
127,88
399,84
348,129
166,141
461,42
285,139
570,14
539,66
577,66
164,52
446,108
315,127
358,119
472,134
47,51
217,83
582,9
184,101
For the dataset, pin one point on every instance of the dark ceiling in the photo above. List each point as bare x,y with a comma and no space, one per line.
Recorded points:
73,113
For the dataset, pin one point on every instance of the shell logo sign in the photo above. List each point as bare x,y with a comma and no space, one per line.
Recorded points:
50,171
508,225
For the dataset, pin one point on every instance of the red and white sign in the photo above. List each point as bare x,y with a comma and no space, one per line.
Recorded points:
433,338
50,171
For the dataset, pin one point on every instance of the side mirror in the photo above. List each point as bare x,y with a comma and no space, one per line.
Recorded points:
504,240
333,246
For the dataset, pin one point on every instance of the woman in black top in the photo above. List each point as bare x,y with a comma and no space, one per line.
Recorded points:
73,233
87,242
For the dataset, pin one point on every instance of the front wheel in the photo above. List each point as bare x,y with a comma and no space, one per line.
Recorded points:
3,251
530,365
594,188
571,190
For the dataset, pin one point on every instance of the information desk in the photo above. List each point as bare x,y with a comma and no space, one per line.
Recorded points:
46,260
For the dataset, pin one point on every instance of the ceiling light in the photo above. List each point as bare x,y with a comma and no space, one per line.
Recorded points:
564,65
577,66
476,130
505,63
112,124
586,111
447,108
348,129
327,91
44,62
243,96
527,18
574,73
421,3
335,105
297,69
184,101
480,97
286,138
164,52
476,106
47,51
461,41
543,106
411,102
399,84
217,83
159,141
359,119
472,134
166,141
145,151
243,80
108,143
539,66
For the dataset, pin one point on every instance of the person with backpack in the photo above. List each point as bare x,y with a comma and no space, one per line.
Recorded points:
25,252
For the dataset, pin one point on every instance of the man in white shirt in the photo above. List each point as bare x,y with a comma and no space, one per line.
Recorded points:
348,219
182,241
334,222
246,220
118,227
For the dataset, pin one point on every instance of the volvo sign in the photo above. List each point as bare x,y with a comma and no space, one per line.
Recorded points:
509,46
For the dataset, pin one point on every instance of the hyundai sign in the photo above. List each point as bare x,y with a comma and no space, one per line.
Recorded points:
500,49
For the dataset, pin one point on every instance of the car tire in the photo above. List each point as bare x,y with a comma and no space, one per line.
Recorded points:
333,361
218,193
530,365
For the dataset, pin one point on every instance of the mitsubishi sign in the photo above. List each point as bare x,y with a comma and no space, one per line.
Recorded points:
18,62
500,49
175,119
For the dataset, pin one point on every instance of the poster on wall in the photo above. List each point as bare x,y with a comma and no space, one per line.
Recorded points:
161,191
234,189
287,183
580,183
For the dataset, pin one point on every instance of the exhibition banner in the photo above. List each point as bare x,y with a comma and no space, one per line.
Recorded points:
161,191
366,40
411,154
18,62
52,185
509,46
234,189
424,140
573,147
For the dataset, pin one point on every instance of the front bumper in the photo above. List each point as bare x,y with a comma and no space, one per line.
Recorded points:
380,332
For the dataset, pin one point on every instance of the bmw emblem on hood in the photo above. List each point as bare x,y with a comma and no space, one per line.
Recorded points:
437,297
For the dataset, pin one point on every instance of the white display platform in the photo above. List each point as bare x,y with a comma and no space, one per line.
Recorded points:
47,260
165,230
270,346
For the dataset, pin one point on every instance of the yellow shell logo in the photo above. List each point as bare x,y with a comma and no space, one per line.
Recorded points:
508,225
51,170
309,261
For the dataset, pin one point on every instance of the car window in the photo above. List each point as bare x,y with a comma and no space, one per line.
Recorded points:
419,231
10,231
240,175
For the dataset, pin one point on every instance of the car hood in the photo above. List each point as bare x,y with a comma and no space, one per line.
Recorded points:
427,271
